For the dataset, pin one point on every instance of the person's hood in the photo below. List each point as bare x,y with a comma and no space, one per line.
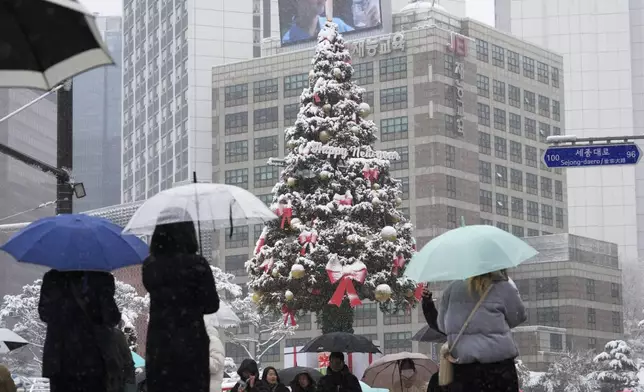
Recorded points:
297,376
265,372
247,365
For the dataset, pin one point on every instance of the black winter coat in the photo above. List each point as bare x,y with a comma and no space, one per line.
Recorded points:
342,381
250,366
72,358
182,289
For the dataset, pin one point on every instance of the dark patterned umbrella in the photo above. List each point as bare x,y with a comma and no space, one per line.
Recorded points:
45,42
427,334
341,342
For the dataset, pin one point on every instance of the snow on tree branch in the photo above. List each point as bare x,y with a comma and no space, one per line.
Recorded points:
616,368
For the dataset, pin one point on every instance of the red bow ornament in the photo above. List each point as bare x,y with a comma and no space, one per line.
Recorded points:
323,360
316,98
345,200
418,293
267,265
399,263
285,211
370,174
308,239
289,314
345,274
261,241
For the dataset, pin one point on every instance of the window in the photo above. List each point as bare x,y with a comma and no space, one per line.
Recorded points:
544,106
304,323
501,176
483,85
518,231
500,122
404,184
528,67
393,68
236,352
617,322
498,91
531,184
531,156
393,98
235,264
548,316
502,204
546,187
265,90
513,62
365,315
484,114
272,354
236,95
543,164
267,199
559,218
503,226
450,124
533,233
265,176
514,96
516,180
403,163
363,73
236,151
290,113
237,177
451,217
515,124
556,110
238,239
500,147
556,342
369,97
396,342
615,290
451,186
450,156
543,72
556,131
236,123
394,129
544,132
403,316
485,143
516,152
487,222
532,210
266,147
517,208
546,215
482,51
590,289
450,96
498,56
592,343
294,84
449,65
404,212
485,172
591,317
529,101
265,118
530,129
485,201
555,76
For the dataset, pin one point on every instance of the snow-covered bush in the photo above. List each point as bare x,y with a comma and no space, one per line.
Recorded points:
570,372
617,371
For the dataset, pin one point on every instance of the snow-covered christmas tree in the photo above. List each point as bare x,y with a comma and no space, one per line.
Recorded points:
617,370
340,238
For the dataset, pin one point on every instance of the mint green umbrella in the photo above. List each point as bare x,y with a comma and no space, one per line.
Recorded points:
467,251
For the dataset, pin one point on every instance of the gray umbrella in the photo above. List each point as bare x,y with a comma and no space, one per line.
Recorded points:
10,341
427,334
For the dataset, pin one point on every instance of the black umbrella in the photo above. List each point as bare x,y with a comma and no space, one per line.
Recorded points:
427,334
45,42
341,342
289,374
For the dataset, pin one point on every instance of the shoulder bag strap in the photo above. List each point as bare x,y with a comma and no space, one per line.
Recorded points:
471,315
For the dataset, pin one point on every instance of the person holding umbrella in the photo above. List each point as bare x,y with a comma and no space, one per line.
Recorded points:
338,378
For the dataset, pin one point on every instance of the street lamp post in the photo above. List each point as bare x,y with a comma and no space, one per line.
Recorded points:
64,146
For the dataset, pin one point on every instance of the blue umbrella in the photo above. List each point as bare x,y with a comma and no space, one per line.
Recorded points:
139,362
76,242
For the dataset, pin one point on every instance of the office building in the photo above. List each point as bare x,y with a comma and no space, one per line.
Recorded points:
169,48
454,7
602,47
482,163
97,125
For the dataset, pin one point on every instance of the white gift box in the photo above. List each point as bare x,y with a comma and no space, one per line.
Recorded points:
293,357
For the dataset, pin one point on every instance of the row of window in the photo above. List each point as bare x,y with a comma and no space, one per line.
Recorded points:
518,231
544,73
529,184
550,316
548,288
518,154
521,209
531,102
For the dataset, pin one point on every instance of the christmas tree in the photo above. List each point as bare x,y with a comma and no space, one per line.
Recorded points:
339,238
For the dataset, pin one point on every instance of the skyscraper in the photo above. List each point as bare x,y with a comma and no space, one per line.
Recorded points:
169,50
602,46
97,125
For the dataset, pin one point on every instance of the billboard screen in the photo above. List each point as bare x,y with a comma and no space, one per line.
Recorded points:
301,20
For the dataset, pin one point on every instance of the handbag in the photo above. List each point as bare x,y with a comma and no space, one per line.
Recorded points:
446,365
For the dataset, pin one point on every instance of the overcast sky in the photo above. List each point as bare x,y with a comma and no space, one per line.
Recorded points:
104,7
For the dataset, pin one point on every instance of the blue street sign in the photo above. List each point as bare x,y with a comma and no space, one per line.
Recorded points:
592,155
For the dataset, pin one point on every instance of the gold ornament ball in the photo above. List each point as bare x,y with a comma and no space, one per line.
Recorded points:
364,110
291,182
324,175
296,222
311,74
256,297
289,295
337,73
275,273
388,233
291,144
355,129
383,292
398,201
326,107
297,271
375,186
325,136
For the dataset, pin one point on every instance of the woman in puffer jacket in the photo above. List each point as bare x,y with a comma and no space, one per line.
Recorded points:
217,358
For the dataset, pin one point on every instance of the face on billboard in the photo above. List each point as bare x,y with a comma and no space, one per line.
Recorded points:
301,20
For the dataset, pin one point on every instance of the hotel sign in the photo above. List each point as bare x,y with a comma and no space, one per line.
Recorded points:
458,46
378,45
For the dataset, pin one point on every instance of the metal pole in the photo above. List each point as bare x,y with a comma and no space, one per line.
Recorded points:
29,104
572,139
64,145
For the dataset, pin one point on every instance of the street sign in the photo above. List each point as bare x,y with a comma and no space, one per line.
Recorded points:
592,155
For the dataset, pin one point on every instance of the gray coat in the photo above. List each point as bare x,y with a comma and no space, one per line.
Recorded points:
487,338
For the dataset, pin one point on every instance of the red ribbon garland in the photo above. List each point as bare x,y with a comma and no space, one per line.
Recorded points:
370,174
286,213
399,263
345,275
307,239
288,314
